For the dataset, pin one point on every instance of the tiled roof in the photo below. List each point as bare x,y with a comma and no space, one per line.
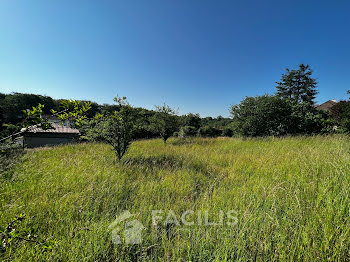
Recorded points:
326,105
57,128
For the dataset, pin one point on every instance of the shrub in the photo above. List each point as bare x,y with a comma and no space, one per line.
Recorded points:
340,112
187,131
209,131
274,116
262,116
227,131
8,129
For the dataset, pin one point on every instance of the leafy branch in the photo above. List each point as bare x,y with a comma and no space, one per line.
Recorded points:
73,111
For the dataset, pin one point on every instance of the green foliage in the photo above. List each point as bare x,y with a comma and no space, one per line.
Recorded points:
345,125
9,129
340,112
165,121
298,86
74,111
10,234
14,234
191,120
276,116
209,131
115,129
262,116
306,120
33,117
227,131
187,131
11,106
219,122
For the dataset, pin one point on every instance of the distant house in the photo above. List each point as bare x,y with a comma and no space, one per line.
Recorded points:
59,134
326,106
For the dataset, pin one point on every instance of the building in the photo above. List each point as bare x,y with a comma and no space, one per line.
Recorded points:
326,106
59,134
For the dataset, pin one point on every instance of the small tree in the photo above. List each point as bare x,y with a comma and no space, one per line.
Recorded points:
298,86
165,121
116,129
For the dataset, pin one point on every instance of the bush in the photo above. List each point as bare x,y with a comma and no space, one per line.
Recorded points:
262,116
209,131
273,116
8,129
144,132
191,120
309,122
227,132
187,131
340,112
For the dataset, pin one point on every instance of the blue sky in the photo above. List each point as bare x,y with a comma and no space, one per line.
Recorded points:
198,56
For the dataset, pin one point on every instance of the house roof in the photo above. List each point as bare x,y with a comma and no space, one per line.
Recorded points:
326,105
57,128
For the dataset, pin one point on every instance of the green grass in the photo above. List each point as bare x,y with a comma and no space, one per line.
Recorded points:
291,196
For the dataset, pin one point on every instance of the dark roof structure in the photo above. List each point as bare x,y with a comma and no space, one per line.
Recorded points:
326,106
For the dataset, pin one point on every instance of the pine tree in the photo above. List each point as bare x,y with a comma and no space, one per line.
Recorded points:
298,85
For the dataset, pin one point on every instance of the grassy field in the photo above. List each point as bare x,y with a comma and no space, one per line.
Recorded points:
291,197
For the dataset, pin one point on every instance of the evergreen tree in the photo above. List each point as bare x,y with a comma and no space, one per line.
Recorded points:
298,86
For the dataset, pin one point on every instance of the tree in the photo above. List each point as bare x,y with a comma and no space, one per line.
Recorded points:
272,115
13,105
165,121
298,86
340,113
262,116
115,129
192,120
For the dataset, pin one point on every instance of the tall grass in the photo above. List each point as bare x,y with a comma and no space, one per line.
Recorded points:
291,197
